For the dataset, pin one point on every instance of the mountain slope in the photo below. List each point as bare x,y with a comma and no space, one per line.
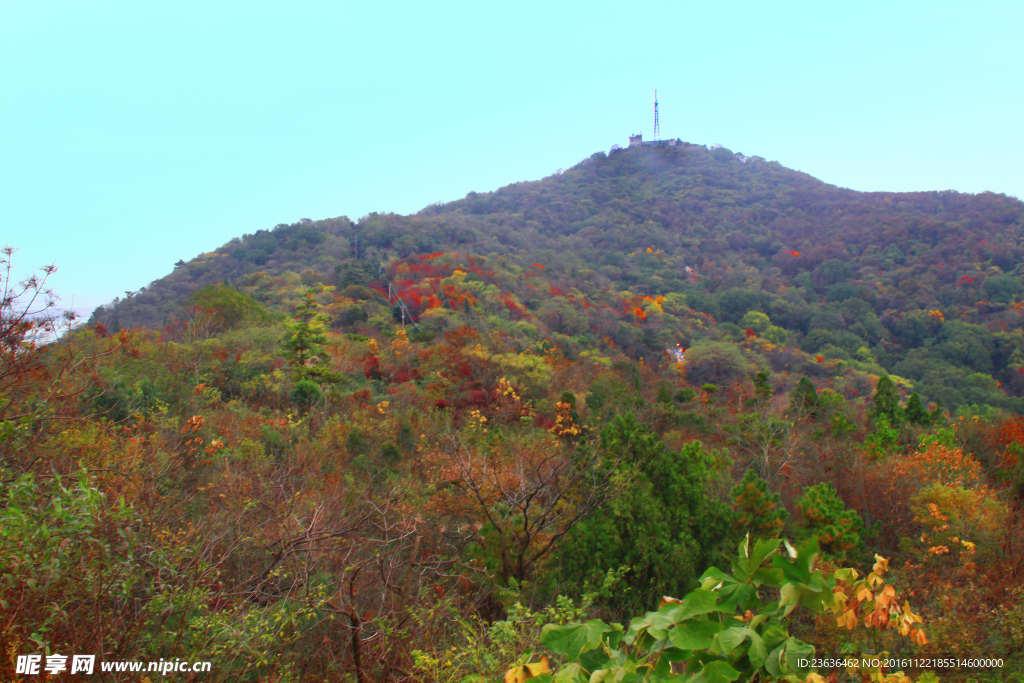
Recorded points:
868,278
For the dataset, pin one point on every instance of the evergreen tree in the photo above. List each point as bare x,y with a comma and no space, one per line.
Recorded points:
804,399
886,401
826,519
915,412
665,393
305,339
758,512
762,386
665,527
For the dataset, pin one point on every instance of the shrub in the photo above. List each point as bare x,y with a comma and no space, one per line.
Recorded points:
306,392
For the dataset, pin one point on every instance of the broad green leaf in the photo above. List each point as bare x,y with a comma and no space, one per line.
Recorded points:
798,570
713,578
762,549
696,603
767,576
758,619
741,596
594,659
757,652
773,662
571,673
695,634
797,650
715,672
731,638
790,598
572,639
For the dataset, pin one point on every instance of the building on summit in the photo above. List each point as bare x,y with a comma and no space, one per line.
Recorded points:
638,141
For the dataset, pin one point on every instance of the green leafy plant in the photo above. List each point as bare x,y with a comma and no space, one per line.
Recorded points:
736,626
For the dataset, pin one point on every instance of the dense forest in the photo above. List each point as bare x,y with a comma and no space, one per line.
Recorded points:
669,415
918,285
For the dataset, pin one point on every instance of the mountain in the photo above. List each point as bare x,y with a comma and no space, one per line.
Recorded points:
921,284
433,447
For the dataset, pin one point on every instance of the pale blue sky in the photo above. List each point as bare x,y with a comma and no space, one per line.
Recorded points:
134,134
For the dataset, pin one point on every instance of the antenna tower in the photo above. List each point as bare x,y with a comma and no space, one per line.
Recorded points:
657,128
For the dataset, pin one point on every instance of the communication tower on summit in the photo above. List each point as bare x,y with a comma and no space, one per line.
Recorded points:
657,127
638,139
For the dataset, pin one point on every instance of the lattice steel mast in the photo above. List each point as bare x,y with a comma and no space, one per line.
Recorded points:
657,127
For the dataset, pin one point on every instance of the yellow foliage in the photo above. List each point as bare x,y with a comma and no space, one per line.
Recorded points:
564,425
519,674
401,342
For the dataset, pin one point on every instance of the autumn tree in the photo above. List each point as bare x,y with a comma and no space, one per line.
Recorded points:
512,501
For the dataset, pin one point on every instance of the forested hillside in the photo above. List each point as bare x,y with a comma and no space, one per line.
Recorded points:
924,286
670,415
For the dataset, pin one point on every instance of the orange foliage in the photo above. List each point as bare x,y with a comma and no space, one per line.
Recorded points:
939,464
564,424
875,603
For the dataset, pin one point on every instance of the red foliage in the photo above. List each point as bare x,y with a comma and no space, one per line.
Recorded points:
371,367
461,336
542,422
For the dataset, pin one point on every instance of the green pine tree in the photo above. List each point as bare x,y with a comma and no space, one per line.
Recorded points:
915,412
665,527
758,512
762,386
804,399
826,519
305,339
886,402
